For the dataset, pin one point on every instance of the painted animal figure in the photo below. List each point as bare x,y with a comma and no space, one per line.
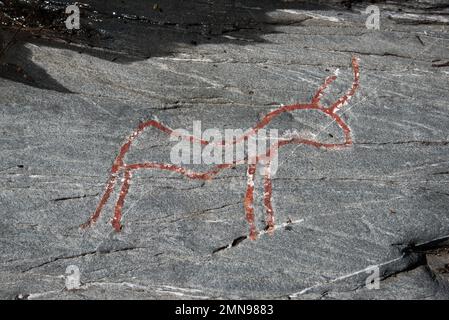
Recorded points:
122,171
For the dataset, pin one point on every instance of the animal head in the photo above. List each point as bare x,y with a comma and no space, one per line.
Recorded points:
330,111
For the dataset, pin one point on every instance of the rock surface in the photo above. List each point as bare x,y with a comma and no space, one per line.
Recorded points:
69,100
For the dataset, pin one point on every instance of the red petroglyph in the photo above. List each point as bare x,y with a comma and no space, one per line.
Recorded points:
120,168
249,201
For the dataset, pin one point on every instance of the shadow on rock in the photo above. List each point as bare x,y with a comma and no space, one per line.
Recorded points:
126,31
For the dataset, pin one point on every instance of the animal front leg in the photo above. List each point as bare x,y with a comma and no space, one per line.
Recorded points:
116,221
249,201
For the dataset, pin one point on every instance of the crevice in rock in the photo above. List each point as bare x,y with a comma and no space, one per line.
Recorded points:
75,197
419,251
440,65
286,226
421,142
413,254
80,255
438,173
234,243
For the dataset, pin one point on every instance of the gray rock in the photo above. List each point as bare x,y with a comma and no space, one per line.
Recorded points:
70,100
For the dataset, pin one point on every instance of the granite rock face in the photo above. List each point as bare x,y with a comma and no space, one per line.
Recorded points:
70,99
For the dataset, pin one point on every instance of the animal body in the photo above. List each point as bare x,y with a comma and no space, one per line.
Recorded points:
121,171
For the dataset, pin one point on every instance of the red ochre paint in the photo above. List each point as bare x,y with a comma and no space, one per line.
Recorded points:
120,168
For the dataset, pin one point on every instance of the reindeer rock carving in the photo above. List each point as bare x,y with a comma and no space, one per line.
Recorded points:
125,170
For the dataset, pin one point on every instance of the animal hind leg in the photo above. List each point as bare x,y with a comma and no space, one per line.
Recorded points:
116,220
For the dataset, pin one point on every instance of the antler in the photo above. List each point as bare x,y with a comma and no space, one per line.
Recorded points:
344,99
355,84
317,97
